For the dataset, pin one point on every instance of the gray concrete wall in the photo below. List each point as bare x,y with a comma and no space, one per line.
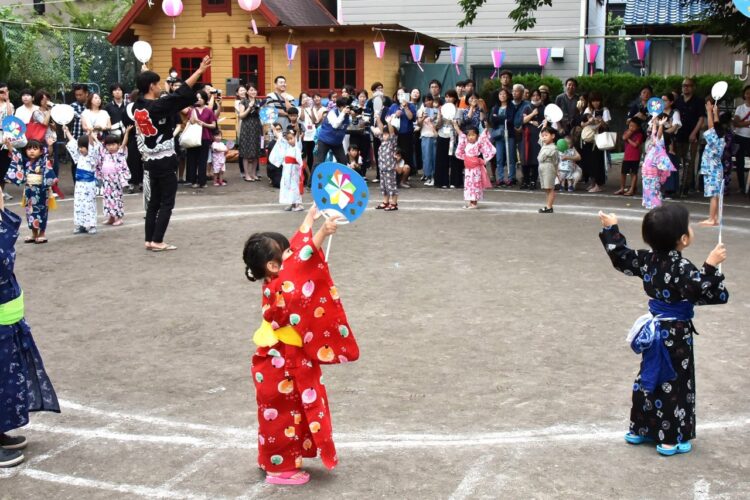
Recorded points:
439,18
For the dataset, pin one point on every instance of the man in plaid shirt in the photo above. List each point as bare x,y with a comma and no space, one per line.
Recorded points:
81,93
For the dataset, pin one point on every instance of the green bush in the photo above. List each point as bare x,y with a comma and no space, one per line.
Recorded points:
620,89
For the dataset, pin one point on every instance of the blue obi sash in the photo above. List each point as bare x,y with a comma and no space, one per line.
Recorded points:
85,175
648,341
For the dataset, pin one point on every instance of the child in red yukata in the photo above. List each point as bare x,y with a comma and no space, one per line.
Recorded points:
304,326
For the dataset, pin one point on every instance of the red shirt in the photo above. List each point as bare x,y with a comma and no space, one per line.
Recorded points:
633,153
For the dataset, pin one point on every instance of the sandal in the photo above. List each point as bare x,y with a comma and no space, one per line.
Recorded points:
382,206
29,240
619,191
292,477
391,208
164,248
628,193
40,241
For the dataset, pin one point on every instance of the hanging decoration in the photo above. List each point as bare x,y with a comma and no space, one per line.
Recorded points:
250,6
592,50
379,45
697,41
291,51
417,50
542,55
498,56
172,8
456,52
641,51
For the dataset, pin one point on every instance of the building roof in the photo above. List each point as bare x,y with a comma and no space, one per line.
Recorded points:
277,13
345,28
661,12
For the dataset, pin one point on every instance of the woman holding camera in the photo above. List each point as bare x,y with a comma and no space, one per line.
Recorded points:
251,132
197,158
405,111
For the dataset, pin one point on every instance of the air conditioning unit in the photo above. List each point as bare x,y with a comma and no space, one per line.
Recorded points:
557,53
232,85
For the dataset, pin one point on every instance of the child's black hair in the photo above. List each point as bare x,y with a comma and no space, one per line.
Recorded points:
292,111
353,147
83,141
33,144
664,226
216,132
260,249
111,139
637,121
724,124
550,131
472,128
398,151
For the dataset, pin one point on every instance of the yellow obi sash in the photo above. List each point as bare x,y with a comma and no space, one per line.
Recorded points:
12,312
266,336
34,179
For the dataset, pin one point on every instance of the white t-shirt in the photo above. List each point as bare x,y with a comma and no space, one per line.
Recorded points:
606,116
95,118
24,114
742,113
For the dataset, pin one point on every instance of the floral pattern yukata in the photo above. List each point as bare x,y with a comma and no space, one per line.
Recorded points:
114,172
476,179
711,164
22,170
24,384
294,419
655,171
84,195
667,415
387,166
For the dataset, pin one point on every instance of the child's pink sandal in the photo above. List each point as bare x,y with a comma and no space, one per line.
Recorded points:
288,478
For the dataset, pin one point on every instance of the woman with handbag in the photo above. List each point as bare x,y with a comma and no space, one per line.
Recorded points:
504,143
596,120
38,128
197,155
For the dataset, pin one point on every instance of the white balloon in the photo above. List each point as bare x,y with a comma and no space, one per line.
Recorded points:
142,51
719,90
62,114
553,113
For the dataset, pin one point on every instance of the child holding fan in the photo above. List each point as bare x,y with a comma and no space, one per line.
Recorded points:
304,326
85,155
657,166
663,410
711,165
115,176
470,146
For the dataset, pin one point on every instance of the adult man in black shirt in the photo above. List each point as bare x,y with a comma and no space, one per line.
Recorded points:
692,114
155,120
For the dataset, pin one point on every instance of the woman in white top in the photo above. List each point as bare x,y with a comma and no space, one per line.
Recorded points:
741,122
94,118
592,159
26,110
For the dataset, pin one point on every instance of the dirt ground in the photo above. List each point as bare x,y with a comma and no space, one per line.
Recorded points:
493,360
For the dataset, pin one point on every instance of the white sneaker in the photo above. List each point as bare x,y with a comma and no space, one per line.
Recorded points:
429,182
404,185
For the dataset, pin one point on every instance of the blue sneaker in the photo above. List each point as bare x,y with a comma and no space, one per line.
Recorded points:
679,448
635,439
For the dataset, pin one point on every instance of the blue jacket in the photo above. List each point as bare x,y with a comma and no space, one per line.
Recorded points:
333,136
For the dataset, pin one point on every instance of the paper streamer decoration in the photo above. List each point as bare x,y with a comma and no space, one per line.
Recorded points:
291,51
63,113
592,50
456,52
743,6
697,41
14,127
379,46
542,55
655,106
172,8
142,51
416,54
641,49
250,6
339,189
498,56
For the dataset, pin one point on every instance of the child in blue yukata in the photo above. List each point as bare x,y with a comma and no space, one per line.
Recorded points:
711,166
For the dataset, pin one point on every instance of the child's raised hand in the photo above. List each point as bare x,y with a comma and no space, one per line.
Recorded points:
50,141
330,225
717,255
709,107
607,220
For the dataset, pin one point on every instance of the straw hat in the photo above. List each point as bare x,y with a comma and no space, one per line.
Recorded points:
544,88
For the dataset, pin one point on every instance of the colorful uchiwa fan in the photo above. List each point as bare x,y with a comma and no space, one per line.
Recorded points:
339,189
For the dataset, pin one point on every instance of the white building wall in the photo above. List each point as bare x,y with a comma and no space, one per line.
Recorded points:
439,18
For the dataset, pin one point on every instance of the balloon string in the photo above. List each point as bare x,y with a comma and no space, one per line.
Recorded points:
174,29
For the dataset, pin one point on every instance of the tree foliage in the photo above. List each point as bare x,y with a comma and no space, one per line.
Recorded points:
4,59
616,49
93,14
719,18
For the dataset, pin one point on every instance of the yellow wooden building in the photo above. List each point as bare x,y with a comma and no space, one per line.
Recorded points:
329,56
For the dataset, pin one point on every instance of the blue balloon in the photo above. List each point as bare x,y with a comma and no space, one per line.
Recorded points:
655,106
339,188
743,6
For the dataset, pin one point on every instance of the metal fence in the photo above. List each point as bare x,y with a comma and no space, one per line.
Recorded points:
53,58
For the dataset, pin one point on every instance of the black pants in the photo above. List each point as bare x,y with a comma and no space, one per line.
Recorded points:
592,163
418,152
163,181
406,144
744,150
135,164
530,174
197,159
308,154
324,148
457,172
442,162
376,149
4,165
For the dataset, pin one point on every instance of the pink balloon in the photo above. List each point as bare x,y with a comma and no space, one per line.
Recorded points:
249,5
172,8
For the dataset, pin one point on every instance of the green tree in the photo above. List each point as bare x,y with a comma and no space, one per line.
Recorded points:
719,18
615,49
92,14
4,60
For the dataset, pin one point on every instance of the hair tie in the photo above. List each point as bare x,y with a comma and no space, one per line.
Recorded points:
249,273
